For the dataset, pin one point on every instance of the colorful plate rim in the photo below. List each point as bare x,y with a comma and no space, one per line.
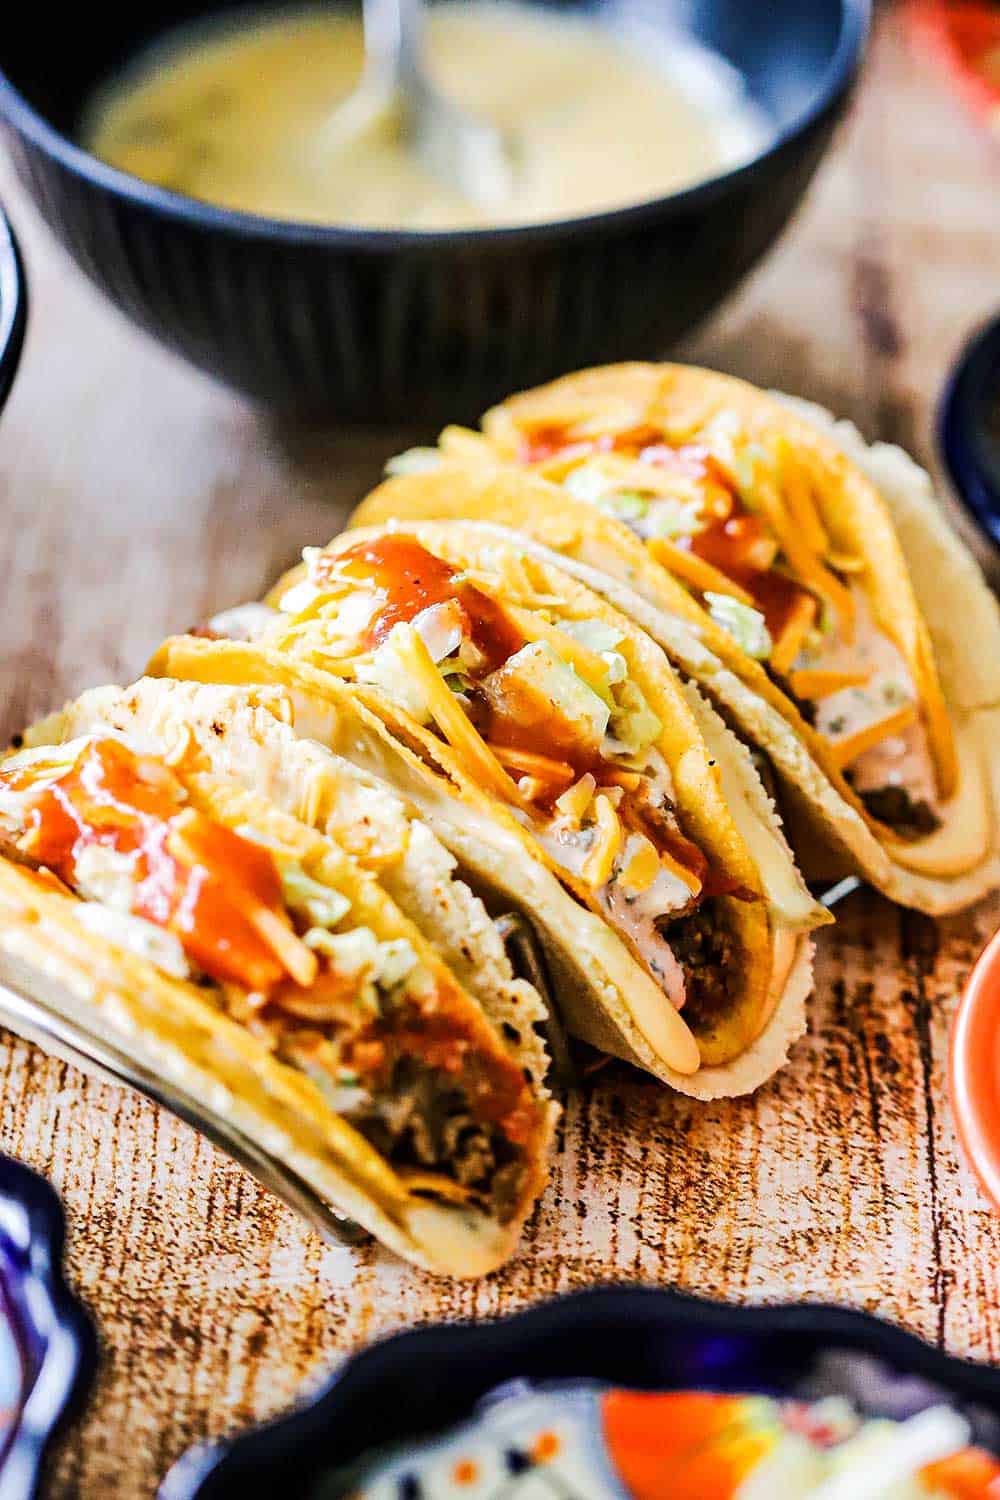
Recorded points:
970,455
974,1070
13,307
617,1334
53,1330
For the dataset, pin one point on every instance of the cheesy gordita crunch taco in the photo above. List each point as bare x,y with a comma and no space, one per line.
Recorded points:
549,745
829,610
227,942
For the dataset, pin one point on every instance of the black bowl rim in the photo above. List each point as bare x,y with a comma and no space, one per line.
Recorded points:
959,435
13,307
213,1470
854,30
59,1322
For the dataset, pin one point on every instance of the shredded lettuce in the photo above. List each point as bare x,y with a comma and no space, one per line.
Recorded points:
670,518
591,482
745,625
625,505
397,959
354,952
594,634
360,953
324,907
546,678
633,723
107,876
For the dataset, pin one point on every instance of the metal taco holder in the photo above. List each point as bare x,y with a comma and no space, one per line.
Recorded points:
100,1056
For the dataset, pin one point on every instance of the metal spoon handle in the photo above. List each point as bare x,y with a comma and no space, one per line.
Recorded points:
394,42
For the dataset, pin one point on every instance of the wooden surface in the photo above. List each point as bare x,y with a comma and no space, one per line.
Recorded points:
135,497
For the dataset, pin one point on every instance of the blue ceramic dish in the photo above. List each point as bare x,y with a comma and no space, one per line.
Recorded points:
382,324
419,1383
48,1351
969,430
13,308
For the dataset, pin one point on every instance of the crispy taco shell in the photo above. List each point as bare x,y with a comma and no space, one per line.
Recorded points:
875,504
171,1025
609,999
245,735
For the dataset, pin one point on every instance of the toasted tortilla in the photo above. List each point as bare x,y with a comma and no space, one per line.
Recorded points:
608,998
170,1025
879,504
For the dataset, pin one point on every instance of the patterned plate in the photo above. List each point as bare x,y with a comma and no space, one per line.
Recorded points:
48,1351
405,1390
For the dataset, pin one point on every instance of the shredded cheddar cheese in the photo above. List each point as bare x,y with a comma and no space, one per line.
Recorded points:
450,717
817,682
586,663
542,769
695,571
798,497
789,643
601,858
642,869
844,562
573,803
683,874
847,750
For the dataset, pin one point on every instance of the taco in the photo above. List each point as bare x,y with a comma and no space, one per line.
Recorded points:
807,582
248,957
246,736
548,744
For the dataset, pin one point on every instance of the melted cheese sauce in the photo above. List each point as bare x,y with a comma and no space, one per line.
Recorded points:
241,118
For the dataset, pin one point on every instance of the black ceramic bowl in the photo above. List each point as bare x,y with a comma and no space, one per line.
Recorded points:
13,308
48,1352
380,324
969,430
416,1384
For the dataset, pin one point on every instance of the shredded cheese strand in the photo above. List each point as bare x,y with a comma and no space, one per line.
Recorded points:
847,750
544,769
820,682
695,571
600,861
585,662
798,497
451,719
796,628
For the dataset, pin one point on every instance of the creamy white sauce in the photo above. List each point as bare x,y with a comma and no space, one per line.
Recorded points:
632,915
242,118
637,921
901,760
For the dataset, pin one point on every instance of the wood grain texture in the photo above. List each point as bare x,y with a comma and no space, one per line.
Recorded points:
134,497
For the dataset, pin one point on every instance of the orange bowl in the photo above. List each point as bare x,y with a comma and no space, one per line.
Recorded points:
974,1070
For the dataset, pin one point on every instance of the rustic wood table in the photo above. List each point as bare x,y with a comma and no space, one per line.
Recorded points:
135,497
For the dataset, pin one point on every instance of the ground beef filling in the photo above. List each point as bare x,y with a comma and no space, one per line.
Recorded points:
893,806
708,954
421,1119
